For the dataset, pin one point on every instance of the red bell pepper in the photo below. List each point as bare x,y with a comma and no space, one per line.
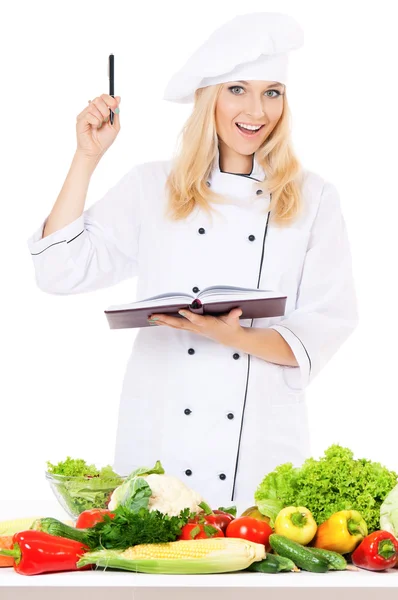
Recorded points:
205,524
89,518
37,552
199,531
377,552
218,518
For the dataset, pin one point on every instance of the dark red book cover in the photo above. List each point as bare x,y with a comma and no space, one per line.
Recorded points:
252,308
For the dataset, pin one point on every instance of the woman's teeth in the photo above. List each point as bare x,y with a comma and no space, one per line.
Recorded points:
249,129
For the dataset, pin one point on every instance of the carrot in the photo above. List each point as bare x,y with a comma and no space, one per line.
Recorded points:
7,544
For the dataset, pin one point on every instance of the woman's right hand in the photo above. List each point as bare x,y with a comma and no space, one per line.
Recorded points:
94,131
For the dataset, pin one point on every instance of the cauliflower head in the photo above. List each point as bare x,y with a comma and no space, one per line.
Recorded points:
154,490
170,495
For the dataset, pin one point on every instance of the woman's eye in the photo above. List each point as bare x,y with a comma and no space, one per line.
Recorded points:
236,87
277,93
239,87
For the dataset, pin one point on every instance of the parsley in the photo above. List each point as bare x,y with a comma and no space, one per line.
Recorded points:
129,528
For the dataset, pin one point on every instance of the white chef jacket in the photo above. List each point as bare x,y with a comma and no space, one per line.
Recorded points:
218,418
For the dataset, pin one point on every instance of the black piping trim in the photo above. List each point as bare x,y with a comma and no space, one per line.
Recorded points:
248,361
76,236
55,243
279,325
240,174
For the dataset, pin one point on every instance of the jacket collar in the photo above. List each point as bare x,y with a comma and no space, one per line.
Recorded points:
236,185
257,172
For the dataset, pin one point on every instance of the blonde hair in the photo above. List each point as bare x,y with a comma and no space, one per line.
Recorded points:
186,184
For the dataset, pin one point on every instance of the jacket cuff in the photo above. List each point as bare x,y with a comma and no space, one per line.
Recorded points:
37,244
296,378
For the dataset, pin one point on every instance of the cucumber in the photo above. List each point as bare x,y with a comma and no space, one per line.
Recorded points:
300,555
60,529
272,564
336,561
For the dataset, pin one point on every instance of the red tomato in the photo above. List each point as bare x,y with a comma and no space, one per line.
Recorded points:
251,529
89,518
202,534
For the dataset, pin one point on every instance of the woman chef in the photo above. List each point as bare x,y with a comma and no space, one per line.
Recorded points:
219,400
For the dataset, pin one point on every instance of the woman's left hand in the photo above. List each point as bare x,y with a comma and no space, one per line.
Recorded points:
224,329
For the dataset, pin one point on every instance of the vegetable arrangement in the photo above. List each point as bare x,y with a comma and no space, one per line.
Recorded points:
154,523
333,483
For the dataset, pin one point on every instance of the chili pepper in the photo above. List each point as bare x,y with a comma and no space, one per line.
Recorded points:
342,532
377,552
89,518
296,523
39,552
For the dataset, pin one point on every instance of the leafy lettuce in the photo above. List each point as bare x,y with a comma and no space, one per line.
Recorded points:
334,482
80,486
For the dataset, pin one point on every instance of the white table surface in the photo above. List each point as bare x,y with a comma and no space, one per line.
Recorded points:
348,585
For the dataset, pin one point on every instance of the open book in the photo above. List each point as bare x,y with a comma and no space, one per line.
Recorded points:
214,300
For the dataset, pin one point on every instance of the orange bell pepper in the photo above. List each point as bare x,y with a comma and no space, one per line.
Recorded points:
342,532
6,543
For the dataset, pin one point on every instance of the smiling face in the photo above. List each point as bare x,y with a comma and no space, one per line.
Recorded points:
249,103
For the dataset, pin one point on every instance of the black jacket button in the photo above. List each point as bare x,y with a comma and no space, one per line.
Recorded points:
259,192
251,238
201,230
230,415
187,411
188,472
223,476
191,351
236,356
195,289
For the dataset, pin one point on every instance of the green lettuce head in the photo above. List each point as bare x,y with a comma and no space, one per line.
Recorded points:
389,512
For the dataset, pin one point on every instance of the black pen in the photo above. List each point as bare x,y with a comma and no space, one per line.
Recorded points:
111,75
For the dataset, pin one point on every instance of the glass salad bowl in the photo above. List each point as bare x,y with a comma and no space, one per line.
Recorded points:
83,492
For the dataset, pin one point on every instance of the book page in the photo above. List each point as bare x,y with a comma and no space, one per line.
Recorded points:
235,296
215,293
161,299
227,290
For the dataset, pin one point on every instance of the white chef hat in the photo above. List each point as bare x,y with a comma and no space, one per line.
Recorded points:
250,46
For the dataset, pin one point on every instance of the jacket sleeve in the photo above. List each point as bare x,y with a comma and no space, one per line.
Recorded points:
98,249
326,310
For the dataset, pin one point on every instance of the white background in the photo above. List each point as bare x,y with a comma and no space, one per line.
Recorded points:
61,366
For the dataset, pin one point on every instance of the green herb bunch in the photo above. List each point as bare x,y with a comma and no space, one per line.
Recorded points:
129,528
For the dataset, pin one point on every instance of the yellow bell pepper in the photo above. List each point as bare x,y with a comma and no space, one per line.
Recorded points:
342,532
296,523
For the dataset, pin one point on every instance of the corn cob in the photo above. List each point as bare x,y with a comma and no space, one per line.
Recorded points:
212,555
